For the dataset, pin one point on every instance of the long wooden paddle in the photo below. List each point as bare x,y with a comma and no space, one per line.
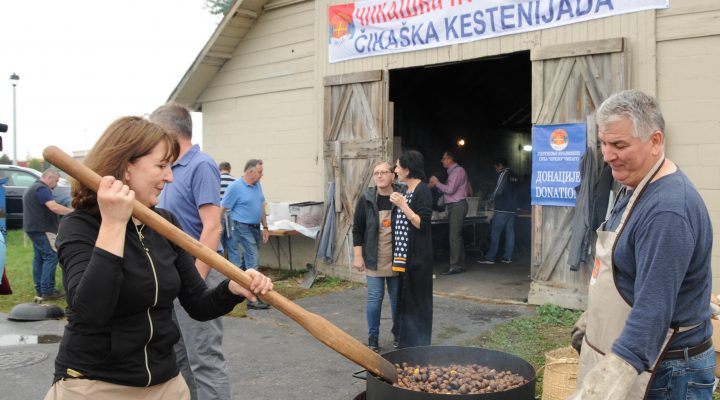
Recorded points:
322,329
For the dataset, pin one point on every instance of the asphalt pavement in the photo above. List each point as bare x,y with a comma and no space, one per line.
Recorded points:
269,355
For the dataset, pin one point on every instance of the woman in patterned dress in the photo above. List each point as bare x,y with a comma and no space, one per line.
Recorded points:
412,252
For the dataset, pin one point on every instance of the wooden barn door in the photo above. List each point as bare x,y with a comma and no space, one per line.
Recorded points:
357,133
569,83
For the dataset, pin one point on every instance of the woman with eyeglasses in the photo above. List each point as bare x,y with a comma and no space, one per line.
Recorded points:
372,246
412,252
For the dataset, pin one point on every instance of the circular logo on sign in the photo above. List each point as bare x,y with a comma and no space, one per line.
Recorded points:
559,139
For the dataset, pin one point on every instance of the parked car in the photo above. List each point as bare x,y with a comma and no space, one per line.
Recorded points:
19,179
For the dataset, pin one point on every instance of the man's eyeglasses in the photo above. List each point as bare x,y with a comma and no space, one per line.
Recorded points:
380,173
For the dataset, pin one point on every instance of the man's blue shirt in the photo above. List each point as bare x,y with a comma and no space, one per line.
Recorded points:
43,194
244,201
662,268
196,182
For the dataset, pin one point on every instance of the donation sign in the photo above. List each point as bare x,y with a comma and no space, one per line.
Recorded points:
374,27
557,150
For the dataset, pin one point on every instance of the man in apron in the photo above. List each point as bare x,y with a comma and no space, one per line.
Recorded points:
648,333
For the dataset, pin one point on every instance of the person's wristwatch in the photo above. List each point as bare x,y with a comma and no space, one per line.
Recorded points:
265,228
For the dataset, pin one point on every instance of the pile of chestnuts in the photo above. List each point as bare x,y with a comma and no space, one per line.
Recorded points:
456,379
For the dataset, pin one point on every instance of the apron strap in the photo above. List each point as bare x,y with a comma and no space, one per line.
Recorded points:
638,191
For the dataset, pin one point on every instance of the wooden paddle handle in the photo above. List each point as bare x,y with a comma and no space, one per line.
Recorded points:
322,329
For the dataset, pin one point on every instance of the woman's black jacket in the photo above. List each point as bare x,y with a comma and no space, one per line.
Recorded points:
120,327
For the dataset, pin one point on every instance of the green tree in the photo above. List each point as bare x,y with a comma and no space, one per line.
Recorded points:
5,160
217,7
36,164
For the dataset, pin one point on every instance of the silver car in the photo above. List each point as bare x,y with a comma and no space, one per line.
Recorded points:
18,180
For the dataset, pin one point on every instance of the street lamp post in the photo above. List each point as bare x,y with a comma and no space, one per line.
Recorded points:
14,79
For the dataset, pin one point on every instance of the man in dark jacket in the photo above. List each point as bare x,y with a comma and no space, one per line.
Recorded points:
40,222
504,198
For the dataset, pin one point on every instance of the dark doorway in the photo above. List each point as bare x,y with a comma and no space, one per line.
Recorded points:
485,102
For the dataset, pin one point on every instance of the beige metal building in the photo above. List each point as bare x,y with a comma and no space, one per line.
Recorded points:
266,89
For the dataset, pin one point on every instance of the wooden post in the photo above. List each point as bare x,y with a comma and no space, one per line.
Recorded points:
337,175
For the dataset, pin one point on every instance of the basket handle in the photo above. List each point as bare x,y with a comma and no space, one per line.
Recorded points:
560,361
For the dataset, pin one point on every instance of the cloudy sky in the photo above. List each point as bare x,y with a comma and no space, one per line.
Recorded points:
84,63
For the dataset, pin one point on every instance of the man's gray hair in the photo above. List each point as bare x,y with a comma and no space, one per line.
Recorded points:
252,163
640,108
176,117
50,172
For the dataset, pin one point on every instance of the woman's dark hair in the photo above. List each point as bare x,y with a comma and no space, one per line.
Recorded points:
412,160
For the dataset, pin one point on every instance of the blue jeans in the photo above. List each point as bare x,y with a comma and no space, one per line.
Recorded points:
226,239
3,249
246,241
376,292
502,221
685,378
44,263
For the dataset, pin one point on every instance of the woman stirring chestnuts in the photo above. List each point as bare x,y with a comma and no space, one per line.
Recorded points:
121,276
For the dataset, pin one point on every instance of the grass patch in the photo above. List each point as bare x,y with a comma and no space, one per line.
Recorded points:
288,285
530,338
19,271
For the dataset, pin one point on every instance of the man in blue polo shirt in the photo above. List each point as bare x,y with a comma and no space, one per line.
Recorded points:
246,202
194,198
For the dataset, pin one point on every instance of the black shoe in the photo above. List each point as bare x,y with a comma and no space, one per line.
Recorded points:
396,342
506,261
451,271
373,344
54,295
257,305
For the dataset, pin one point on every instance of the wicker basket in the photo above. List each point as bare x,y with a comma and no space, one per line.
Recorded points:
560,376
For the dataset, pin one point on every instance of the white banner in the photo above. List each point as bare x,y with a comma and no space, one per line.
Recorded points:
375,27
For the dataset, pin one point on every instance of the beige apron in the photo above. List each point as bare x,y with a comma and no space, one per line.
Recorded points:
88,389
607,310
384,256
